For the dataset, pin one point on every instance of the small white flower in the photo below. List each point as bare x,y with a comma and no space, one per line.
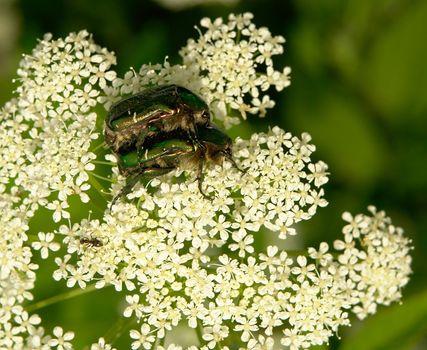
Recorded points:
45,244
102,74
59,211
142,338
134,306
246,327
61,340
62,271
101,345
243,243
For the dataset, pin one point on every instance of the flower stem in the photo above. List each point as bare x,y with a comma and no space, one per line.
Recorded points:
296,252
162,341
199,333
94,182
103,162
99,204
60,297
101,177
98,147
117,329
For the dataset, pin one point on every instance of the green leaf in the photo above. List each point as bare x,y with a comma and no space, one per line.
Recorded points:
396,327
395,74
346,138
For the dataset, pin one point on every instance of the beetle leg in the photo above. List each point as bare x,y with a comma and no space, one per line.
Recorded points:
200,178
195,140
141,139
130,183
230,158
233,162
148,173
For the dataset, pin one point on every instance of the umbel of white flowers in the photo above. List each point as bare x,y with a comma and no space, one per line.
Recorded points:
179,256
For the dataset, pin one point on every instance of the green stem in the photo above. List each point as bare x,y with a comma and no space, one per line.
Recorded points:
32,237
98,147
237,197
103,162
117,329
94,182
297,252
101,177
199,333
238,37
99,204
60,297
162,341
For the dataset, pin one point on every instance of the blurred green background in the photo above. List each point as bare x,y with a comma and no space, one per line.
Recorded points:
359,87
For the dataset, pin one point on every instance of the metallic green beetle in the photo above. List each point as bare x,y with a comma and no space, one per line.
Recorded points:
152,113
166,155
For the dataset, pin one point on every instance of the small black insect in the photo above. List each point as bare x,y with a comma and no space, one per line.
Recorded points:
91,242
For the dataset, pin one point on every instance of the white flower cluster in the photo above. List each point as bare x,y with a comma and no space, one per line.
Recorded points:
230,66
236,65
180,257
18,329
45,136
47,131
166,254
280,187
374,258
164,247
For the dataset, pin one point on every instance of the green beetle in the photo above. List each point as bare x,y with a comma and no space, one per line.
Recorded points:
153,112
169,154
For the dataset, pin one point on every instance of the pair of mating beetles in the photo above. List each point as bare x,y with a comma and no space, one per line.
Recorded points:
162,129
